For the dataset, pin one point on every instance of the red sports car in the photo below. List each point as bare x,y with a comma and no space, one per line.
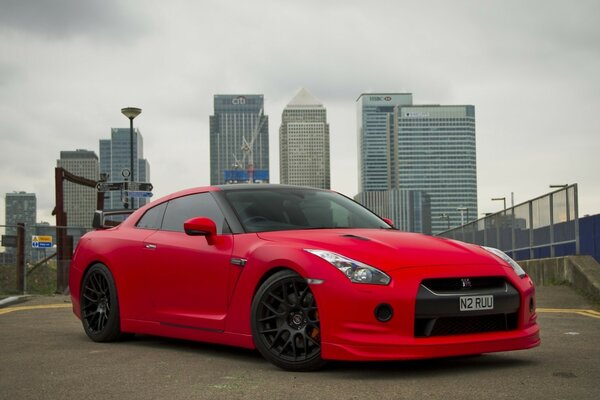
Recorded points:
303,275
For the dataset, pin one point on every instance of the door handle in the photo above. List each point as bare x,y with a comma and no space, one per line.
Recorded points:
150,246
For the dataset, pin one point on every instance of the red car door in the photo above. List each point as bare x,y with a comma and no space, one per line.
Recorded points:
188,276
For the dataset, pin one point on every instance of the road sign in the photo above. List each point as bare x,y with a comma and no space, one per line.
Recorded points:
139,186
9,240
39,242
110,186
138,193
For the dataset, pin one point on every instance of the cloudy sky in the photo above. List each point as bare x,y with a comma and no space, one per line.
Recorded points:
531,68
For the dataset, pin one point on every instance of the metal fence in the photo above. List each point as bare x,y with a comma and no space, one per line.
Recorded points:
28,258
547,226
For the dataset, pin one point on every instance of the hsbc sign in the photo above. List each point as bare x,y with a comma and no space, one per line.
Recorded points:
380,98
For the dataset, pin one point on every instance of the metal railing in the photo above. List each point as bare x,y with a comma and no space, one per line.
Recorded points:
28,265
547,226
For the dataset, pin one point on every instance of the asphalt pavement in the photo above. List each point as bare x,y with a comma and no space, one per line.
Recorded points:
46,355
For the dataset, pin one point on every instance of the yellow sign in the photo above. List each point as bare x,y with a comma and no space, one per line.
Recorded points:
41,241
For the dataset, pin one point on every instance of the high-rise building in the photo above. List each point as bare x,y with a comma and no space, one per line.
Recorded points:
115,157
409,210
20,207
428,149
239,130
304,143
376,139
436,154
79,201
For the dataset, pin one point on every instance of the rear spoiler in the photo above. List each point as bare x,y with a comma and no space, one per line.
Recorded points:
109,218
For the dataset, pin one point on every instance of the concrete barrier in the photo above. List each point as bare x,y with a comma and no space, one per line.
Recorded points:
582,272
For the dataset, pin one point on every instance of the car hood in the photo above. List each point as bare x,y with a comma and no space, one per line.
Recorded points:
386,249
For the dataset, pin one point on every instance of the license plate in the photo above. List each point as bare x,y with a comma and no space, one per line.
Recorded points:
475,303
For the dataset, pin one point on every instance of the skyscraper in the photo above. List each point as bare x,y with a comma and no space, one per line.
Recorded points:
304,142
409,210
375,139
238,123
436,154
79,201
430,149
115,157
20,207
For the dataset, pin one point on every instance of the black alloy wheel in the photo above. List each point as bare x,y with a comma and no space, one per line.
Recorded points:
285,323
99,305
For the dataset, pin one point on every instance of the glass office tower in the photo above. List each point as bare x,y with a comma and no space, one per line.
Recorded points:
423,148
237,118
436,154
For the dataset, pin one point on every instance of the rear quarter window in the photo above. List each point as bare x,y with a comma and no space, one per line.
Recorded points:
152,219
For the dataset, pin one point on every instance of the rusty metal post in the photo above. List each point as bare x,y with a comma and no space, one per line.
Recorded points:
61,223
21,258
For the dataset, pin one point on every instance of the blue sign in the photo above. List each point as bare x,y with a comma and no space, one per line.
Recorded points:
132,193
41,242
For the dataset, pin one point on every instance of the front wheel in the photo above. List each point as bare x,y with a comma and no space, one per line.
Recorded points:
285,323
100,305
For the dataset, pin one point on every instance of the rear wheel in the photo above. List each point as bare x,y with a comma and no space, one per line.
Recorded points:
285,323
100,305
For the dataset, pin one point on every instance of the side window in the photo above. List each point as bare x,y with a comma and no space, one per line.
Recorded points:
196,205
153,217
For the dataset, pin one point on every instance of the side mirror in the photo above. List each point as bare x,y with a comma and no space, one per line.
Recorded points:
201,226
388,221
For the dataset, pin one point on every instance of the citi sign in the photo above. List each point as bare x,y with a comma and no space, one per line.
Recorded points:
238,100
380,98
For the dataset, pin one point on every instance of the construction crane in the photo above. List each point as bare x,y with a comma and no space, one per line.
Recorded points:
248,147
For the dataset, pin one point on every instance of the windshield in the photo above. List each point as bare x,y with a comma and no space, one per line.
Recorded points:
263,210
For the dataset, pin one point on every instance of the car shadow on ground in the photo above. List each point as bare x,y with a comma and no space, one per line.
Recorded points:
373,370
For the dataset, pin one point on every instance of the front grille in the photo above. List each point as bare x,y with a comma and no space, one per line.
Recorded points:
444,326
456,284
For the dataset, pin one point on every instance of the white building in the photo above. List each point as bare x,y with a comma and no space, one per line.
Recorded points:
304,143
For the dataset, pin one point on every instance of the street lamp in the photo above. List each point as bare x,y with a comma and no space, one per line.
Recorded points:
558,186
462,219
500,198
131,113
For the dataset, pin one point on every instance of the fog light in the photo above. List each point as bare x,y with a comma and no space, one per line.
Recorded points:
384,312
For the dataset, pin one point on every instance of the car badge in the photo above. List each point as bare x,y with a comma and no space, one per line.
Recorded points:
466,283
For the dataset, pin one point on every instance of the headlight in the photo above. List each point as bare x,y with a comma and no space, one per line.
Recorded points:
356,271
506,258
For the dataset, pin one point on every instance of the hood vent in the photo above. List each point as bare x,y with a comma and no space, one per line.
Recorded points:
356,237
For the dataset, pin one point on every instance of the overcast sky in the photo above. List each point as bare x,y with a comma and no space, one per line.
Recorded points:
530,68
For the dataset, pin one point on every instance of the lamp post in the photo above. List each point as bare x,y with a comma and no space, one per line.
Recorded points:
500,198
131,113
462,210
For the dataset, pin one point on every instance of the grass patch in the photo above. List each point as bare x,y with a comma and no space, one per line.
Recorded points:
40,281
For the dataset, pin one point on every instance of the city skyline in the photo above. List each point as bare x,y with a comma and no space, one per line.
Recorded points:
533,83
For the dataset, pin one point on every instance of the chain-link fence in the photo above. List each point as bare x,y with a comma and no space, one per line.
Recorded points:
547,226
28,258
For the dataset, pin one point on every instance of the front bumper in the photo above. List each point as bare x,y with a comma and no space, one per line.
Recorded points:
350,329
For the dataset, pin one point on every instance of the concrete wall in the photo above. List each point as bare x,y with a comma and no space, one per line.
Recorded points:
583,272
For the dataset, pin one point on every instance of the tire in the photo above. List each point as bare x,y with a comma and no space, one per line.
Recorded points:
285,323
100,305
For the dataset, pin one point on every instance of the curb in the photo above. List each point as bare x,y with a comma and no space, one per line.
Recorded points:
13,300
